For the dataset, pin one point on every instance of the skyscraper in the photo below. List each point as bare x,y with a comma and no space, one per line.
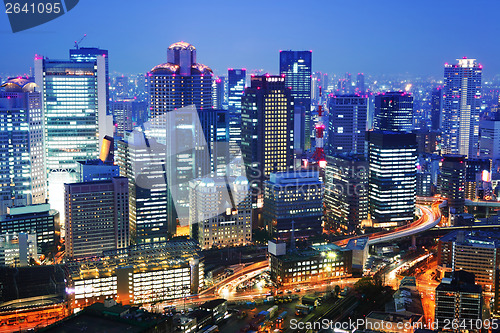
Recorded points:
360,83
96,217
142,161
22,162
74,106
453,182
461,107
392,177
216,130
489,139
178,83
236,88
346,191
219,92
121,110
394,112
293,205
90,54
266,131
347,124
436,108
296,66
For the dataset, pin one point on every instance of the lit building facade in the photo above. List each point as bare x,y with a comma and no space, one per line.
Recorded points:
75,120
142,161
453,182
461,108
392,177
17,249
122,111
346,191
96,217
37,220
174,85
347,124
266,131
236,88
220,212
293,205
22,166
489,140
296,67
144,273
394,112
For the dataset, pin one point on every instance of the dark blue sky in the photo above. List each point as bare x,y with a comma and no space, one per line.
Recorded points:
374,37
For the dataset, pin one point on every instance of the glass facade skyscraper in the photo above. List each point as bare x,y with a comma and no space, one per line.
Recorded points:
392,177
394,112
74,106
266,131
296,66
236,88
461,108
22,163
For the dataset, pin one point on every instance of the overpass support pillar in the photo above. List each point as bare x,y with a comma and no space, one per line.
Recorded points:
414,241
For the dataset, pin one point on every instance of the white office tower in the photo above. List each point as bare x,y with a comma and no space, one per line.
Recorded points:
74,106
461,107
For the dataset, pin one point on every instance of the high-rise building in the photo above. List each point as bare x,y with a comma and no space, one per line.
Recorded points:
122,111
489,140
293,205
296,66
459,300
347,124
216,129
22,163
173,86
220,212
456,249
392,177
219,92
142,161
461,108
91,54
97,217
74,107
38,220
436,108
346,191
453,182
394,112
475,171
266,131
236,87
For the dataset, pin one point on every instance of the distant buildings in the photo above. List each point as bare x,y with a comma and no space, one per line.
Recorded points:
220,212
392,158
97,217
436,108
266,131
461,108
296,67
293,205
459,299
347,124
346,191
453,182
38,220
122,111
394,112
22,164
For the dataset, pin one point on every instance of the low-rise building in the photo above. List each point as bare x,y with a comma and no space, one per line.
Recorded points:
17,249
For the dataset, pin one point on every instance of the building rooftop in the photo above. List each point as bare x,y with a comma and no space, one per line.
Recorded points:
476,238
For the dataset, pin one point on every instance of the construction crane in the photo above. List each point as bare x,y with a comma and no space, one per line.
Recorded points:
77,43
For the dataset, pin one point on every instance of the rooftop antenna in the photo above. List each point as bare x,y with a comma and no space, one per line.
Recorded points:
77,43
